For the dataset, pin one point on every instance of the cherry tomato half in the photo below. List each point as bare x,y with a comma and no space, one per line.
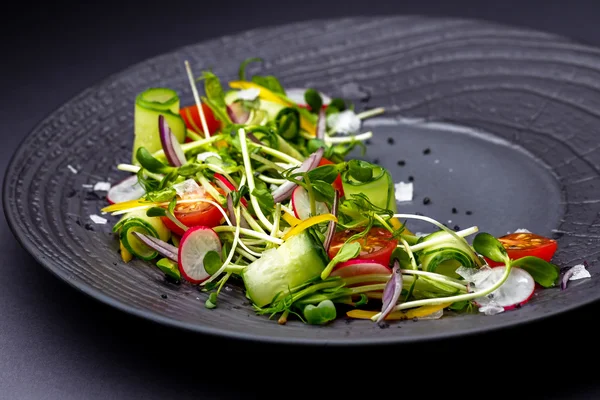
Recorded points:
193,122
519,245
194,214
377,245
337,184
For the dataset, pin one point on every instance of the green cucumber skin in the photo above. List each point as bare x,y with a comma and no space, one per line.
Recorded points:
296,261
373,190
431,257
146,132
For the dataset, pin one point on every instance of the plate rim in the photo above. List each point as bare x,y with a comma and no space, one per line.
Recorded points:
23,238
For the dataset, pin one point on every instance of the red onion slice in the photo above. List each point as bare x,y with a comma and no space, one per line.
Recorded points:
321,124
392,292
164,248
284,191
173,151
238,113
332,224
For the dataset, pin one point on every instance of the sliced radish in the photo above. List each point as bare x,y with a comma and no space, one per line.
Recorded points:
227,187
301,204
359,267
194,245
514,292
297,96
126,190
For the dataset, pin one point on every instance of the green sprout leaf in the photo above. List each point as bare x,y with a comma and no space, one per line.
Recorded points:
327,172
264,196
544,273
288,123
237,195
211,302
156,212
151,164
321,314
347,252
490,247
361,171
212,262
313,99
169,268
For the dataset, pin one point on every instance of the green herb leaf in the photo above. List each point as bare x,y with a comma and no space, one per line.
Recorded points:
151,164
264,196
213,89
189,169
169,268
161,195
156,212
347,252
361,171
323,192
172,205
244,64
338,104
543,272
288,123
313,99
211,302
490,247
270,82
236,195
321,314
459,305
212,262
327,172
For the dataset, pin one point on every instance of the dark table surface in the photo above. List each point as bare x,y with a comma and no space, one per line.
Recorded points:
56,343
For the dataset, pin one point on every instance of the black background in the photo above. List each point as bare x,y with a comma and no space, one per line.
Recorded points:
55,343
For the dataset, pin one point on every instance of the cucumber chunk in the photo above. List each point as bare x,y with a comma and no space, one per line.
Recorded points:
296,261
149,105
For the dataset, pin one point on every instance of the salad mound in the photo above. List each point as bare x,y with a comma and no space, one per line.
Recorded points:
254,184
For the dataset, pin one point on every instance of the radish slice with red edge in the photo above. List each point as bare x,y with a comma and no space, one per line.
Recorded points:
358,267
514,292
284,191
301,204
173,151
126,190
195,243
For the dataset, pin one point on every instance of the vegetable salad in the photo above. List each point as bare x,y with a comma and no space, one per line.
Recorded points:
252,184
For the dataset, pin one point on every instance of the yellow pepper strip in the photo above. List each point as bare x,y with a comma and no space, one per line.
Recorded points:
307,223
125,254
124,205
418,312
268,95
290,219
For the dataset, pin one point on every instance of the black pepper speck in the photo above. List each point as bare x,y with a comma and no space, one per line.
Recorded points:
427,151
391,140
410,178
456,228
89,227
368,142
454,210
401,163
383,325
426,200
376,161
469,212
164,296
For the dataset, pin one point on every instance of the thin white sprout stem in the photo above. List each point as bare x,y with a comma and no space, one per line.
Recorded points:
413,262
236,238
274,181
197,98
248,232
246,254
347,139
278,154
248,167
370,113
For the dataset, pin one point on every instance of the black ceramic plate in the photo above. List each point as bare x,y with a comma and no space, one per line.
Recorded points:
510,118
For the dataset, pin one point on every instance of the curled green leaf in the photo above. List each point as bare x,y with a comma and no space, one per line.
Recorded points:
321,314
490,247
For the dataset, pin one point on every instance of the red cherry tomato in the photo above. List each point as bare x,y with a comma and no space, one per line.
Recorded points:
194,214
337,184
519,245
193,121
376,246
